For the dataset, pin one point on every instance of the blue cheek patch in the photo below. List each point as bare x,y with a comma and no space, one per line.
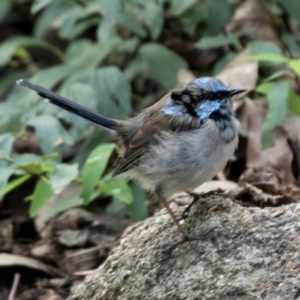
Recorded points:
172,110
208,107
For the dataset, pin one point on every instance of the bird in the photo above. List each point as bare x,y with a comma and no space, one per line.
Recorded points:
176,144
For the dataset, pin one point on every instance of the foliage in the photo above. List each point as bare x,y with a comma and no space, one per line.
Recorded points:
104,54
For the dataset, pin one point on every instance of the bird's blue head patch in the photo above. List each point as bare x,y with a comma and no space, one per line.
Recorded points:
200,98
209,84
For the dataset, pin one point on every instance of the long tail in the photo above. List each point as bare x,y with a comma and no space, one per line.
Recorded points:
71,106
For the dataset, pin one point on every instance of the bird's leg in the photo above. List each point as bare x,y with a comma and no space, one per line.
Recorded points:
167,206
185,236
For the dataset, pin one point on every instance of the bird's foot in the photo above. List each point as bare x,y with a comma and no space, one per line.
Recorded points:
189,237
196,197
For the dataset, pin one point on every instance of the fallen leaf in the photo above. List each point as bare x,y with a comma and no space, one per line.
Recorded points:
11,260
240,73
253,21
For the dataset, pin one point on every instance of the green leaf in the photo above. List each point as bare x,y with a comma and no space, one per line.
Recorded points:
291,41
106,29
5,173
94,168
159,62
38,5
270,57
42,193
131,23
62,175
154,17
278,108
67,26
118,188
218,15
6,188
264,88
5,7
52,16
193,17
86,54
294,102
26,100
63,205
278,74
113,92
114,13
292,7
49,77
33,168
9,47
51,135
137,210
178,6
79,93
258,47
9,79
219,41
49,156
111,10
6,143
223,62
295,65
25,158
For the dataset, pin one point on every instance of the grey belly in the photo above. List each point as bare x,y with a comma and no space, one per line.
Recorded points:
184,162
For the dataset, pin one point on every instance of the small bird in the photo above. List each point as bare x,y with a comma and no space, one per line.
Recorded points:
176,144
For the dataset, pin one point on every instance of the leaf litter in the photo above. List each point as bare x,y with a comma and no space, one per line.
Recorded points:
50,255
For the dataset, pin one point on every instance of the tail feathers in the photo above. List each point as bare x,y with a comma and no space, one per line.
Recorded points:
71,106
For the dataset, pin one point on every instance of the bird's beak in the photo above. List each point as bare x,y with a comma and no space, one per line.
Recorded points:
235,92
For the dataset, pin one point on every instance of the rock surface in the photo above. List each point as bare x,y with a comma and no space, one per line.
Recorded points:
253,254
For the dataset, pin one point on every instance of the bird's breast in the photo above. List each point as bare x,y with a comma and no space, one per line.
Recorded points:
184,160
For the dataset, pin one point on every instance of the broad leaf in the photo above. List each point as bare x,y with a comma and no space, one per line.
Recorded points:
51,135
154,17
292,7
6,143
5,173
269,57
64,205
219,41
93,169
264,47
32,168
295,65
137,209
265,87
38,5
10,46
178,6
159,62
278,108
13,184
62,175
294,102
5,7
118,188
42,193
218,15
113,92
83,95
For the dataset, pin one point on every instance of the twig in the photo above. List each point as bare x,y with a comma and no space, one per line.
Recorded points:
14,286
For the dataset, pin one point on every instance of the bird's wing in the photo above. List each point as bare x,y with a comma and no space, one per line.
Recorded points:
137,144
148,133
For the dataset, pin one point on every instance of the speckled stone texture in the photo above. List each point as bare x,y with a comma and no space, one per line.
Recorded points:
254,254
